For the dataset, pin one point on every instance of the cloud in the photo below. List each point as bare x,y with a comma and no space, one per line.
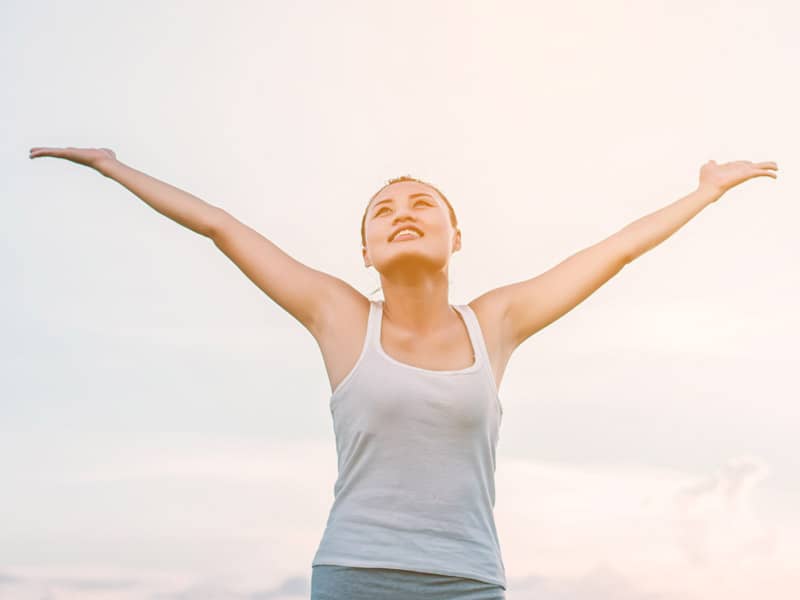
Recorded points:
667,533
40,586
600,583
90,582
714,516
638,532
291,588
8,579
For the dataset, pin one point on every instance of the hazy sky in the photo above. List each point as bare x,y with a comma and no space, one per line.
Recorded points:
164,426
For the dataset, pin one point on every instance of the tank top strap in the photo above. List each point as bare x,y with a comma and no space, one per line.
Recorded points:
475,334
372,326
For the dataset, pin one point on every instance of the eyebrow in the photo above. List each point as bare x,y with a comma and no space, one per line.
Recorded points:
412,196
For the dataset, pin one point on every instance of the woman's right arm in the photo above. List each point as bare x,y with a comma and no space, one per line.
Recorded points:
180,206
303,292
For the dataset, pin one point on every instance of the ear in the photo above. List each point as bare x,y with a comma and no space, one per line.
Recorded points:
364,254
457,241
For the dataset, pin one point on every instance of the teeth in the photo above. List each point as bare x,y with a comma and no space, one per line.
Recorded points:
402,231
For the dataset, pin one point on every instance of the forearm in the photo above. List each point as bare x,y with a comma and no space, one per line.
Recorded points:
643,234
180,206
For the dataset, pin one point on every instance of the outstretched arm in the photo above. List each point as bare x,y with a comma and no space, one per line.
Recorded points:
309,295
531,305
649,231
182,207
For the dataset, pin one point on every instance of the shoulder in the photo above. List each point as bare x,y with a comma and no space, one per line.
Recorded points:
491,310
345,309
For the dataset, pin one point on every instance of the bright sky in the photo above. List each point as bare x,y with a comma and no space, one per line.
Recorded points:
164,425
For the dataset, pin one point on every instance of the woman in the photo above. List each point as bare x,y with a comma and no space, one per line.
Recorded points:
414,380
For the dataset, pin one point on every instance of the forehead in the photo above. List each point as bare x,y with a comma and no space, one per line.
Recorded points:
401,189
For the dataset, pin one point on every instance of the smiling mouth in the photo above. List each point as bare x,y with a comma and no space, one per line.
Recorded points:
403,237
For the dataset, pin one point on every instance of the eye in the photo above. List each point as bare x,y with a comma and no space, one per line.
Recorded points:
387,208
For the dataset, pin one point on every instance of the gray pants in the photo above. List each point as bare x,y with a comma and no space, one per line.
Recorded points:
335,582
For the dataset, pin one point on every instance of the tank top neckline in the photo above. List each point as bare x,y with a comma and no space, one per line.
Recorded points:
467,323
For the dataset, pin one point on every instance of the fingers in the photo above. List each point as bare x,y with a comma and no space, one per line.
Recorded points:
759,165
43,151
767,168
40,151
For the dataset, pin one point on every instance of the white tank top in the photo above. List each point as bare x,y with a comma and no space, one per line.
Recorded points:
416,460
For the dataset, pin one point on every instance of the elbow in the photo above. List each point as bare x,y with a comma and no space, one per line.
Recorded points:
215,223
623,246
627,257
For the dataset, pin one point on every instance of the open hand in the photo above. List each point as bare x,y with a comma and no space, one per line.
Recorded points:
91,157
727,175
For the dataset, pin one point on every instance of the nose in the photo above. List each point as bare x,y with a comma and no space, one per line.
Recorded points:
402,219
403,214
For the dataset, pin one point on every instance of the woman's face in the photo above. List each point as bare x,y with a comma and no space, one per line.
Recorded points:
417,206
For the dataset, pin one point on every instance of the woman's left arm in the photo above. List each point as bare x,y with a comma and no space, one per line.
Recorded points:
643,234
530,305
